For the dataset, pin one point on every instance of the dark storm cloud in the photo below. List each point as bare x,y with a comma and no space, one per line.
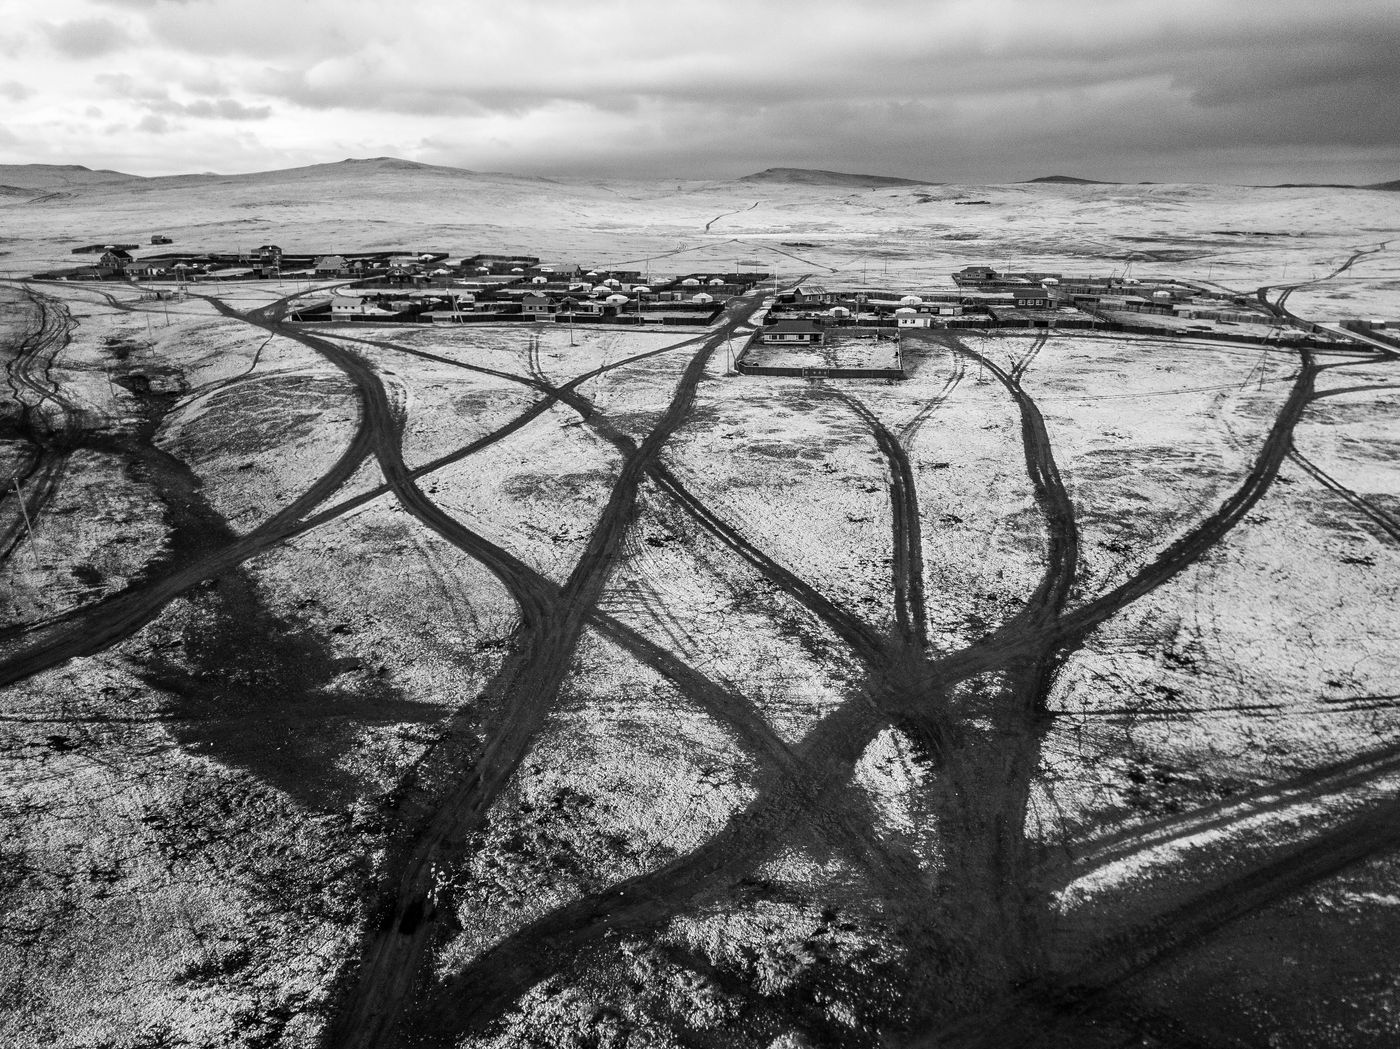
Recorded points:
1302,74
87,37
936,88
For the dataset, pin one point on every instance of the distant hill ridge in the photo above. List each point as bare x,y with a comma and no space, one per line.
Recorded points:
391,164
39,178
1069,180
816,177
47,176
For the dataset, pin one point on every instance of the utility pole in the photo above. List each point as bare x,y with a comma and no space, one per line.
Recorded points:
28,527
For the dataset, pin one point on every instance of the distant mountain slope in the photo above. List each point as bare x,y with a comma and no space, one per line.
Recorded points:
813,177
1388,187
373,165
50,176
352,167
1068,180
385,171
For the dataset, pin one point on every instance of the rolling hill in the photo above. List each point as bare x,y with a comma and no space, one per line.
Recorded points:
1067,180
815,177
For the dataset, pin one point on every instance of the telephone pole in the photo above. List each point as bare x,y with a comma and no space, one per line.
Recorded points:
28,526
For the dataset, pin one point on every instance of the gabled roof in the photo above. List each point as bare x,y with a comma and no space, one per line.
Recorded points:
801,326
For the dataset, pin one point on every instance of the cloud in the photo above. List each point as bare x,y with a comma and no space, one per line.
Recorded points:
222,109
87,37
15,91
154,123
933,88
125,85
156,99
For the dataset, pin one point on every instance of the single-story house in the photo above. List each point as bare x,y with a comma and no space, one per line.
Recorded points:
803,331
976,275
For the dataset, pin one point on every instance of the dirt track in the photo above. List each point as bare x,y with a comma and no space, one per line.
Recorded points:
977,715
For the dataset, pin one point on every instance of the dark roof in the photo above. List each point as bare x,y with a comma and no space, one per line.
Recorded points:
796,326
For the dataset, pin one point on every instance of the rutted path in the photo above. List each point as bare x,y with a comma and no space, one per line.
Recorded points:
725,215
981,747
398,950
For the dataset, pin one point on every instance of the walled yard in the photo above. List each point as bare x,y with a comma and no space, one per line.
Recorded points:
839,350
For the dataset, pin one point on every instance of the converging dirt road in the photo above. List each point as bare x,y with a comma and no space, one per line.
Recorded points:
671,707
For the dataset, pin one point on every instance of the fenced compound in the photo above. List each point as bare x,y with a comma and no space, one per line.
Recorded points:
812,372
822,360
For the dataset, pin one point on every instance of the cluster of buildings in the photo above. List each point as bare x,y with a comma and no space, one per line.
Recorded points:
983,297
268,261
1109,298
403,286
519,287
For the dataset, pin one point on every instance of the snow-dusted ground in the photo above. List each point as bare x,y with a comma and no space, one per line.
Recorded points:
193,813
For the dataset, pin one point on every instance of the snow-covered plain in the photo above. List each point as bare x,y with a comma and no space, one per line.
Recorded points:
199,812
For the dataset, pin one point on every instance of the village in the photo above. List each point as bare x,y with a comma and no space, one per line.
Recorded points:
806,329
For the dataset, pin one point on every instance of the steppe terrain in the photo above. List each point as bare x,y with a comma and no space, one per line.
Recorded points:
504,686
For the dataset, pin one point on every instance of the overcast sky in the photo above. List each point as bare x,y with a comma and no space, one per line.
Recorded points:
946,90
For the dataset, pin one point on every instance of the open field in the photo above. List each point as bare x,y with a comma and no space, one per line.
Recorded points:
465,686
